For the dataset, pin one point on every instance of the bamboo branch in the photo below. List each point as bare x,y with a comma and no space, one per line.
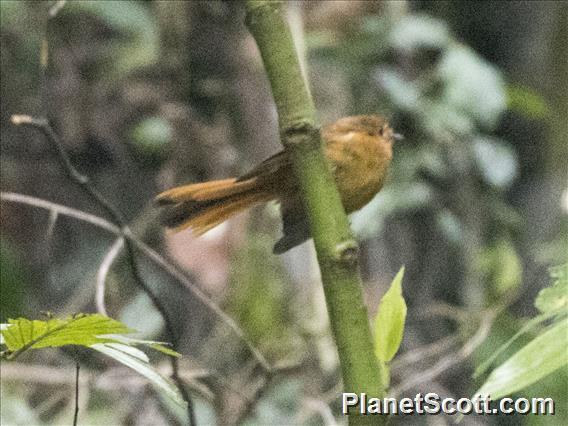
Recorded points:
336,249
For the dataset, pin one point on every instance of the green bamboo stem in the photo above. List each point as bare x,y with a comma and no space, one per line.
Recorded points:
337,251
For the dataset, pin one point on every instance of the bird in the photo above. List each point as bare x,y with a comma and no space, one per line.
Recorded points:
358,150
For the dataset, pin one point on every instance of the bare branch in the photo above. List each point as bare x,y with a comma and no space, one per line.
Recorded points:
171,269
423,352
133,243
44,127
76,411
104,269
84,182
444,364
97,221
51,225
114,379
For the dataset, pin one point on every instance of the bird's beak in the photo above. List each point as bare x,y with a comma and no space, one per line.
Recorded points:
397,137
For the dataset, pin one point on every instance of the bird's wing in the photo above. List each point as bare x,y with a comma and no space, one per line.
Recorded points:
268,167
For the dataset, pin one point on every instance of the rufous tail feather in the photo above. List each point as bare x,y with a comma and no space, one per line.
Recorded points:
202,206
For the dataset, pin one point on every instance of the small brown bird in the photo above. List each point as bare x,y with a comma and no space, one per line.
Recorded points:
358,149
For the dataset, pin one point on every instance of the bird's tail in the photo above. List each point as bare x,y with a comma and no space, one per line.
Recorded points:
202,206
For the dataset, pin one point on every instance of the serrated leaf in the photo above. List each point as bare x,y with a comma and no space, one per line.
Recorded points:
123,354
83,330
539,358
95,331
389,322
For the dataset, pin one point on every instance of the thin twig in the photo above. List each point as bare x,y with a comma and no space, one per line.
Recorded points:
102,273
171,269
76,414
267,380
97,221
51,226
424,352
444,364
84,182
115,379
44,127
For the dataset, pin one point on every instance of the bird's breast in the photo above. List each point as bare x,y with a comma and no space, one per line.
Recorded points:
359,163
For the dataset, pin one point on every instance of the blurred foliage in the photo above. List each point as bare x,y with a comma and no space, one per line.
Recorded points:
280,405
151,140
501,266
542,355
465,209
12,283
496,161
138,41
555,298
527,102
15,409
539,358
258,294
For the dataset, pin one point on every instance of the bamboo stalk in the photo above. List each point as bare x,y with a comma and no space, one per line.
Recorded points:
337,251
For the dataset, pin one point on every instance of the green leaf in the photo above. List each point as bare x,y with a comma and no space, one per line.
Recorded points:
502,266
158,346
539,358
550,301
82,329
95,331
529,326
555,297
138,361
389,322
527,102
13,282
